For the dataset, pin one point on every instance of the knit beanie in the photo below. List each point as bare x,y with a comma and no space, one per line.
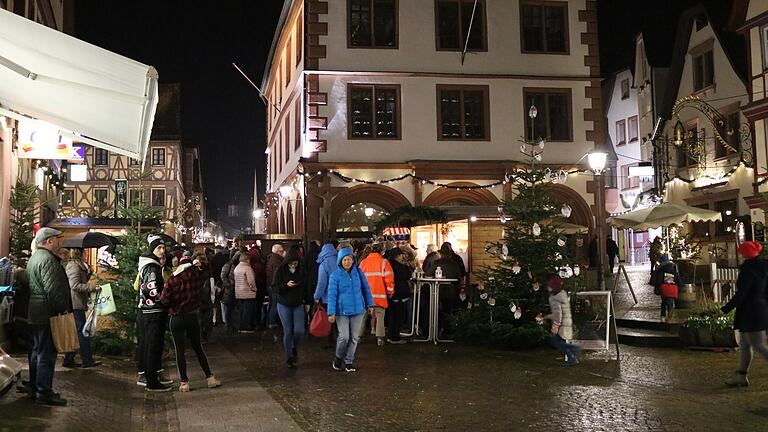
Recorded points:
154,242
750,249
556,284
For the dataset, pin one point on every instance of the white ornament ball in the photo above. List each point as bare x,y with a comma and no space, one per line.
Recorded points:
566,210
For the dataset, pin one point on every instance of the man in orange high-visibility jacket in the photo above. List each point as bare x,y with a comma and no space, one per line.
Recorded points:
380,277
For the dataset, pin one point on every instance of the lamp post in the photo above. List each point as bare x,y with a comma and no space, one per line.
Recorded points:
597,165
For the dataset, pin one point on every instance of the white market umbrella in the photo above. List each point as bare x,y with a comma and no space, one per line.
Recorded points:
663,215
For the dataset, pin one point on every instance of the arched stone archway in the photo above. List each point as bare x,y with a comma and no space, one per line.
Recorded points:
383,196
582,213
470,197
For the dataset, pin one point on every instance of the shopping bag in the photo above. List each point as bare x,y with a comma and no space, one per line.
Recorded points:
320,327
89,329
105,303
64,333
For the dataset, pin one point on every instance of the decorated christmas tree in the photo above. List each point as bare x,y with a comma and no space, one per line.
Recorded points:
534,248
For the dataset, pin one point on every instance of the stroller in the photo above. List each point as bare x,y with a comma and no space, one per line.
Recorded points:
10,369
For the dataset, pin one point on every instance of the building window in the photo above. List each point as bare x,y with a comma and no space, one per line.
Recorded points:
158,157
610,175
136,197
621,132
628,182
297,124
703,71
158,197
287,137
544,27
764,44
700,229
463,112
288,57
453,19
553,120
299,39
733,122
133,162
625,89
100,199
632,129
100,157
728,210
372,23
374,111
68,198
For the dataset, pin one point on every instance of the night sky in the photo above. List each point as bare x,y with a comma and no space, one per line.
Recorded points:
194,43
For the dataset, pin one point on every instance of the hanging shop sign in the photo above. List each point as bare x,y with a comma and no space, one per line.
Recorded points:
38,140
78,173
77,154
121,195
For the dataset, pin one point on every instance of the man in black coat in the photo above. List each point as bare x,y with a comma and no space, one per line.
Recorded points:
448,293
751,304
612,250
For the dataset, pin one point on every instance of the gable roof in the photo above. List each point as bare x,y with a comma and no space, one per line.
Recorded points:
732,43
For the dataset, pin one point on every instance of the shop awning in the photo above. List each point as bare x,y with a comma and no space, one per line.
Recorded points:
103,99
664,214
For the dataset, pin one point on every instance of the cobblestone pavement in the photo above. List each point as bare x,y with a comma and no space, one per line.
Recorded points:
648,303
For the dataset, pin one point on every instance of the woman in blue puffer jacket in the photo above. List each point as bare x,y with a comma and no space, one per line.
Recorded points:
348,297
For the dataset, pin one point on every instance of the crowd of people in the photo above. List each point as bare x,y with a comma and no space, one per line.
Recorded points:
186,293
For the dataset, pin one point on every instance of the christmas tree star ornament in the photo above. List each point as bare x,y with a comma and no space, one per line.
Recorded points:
566,210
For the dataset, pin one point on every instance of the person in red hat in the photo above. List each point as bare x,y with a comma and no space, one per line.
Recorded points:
751,304
562,324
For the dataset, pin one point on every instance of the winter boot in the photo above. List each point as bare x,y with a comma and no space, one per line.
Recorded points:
738,380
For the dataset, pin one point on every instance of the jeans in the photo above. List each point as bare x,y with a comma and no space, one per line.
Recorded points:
751,341
42,360
611,262
397,311
272,311
377,322
667,305
349,335
152,335
293,319
568,349
85,345
183,326
247,312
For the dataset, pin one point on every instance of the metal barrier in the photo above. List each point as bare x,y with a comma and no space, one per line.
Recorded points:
722,277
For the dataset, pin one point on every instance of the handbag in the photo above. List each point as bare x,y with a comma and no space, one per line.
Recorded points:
64,333
105,302
320,327
89,329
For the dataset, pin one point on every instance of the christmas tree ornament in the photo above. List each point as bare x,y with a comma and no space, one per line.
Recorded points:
576,269
558,257
491,249
566,210
536,230
492,302
513,307
516,269
536,286
518,313
484,296
504,250
538,157
541,143
561,242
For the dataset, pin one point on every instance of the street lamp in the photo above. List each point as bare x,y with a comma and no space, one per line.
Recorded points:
597,161
286,190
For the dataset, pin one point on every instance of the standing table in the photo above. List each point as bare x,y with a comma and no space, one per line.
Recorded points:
434,304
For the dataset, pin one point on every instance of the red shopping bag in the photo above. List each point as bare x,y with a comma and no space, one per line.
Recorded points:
320,326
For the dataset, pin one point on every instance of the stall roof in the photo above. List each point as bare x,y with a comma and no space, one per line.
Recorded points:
99,97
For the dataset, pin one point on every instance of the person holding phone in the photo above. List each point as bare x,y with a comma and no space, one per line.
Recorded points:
293,301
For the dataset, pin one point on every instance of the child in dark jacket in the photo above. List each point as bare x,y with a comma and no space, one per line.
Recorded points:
666,284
